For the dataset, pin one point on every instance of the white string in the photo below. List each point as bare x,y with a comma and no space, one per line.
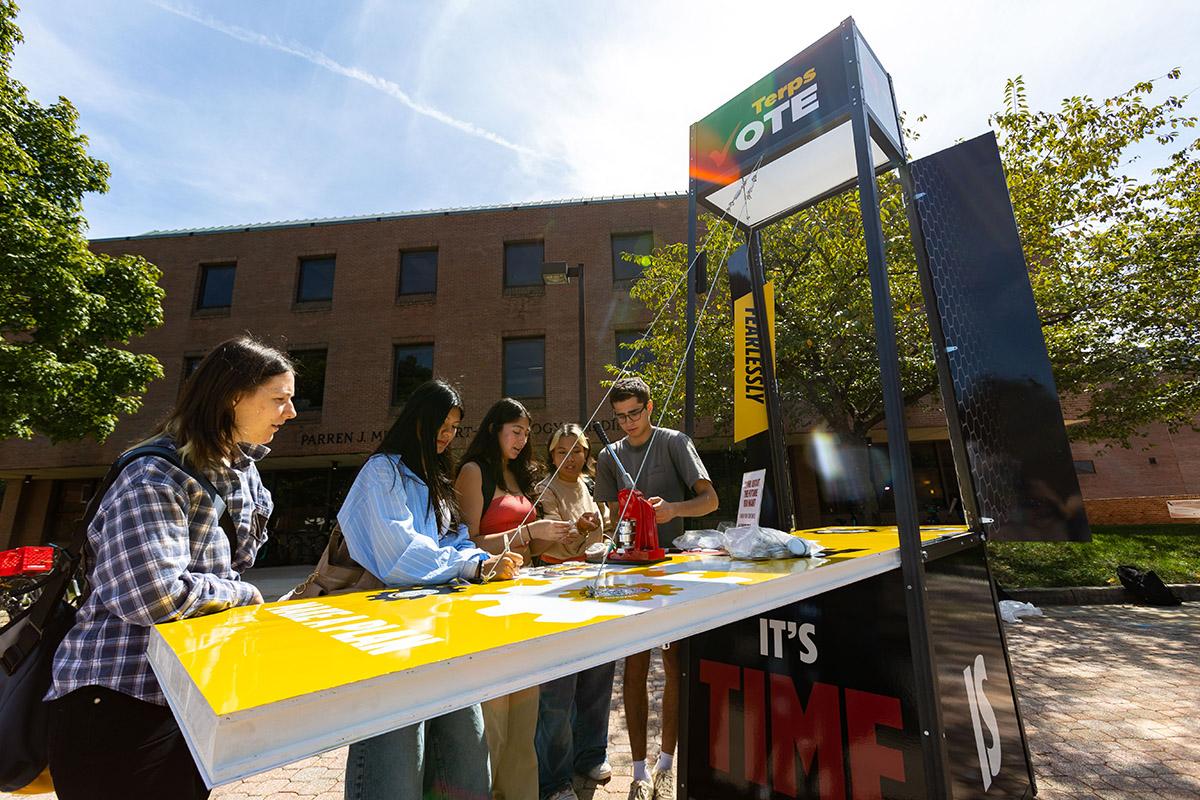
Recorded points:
753,175
744,191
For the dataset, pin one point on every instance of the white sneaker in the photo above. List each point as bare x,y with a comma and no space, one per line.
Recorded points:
564,794
641,790
664,784
601,773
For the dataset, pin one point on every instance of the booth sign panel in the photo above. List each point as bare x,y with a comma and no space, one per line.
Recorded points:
752,430
817,699
1008,406
786,140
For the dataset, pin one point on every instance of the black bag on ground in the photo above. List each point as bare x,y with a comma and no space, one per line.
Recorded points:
29,640
1147,586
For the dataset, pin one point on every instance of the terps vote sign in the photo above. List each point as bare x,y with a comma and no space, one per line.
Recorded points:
789,103
791,129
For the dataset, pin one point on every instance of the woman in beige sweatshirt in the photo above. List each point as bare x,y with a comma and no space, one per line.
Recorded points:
567,495
572,730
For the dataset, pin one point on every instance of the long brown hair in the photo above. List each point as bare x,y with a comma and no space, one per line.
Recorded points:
202,422
484,449
413,437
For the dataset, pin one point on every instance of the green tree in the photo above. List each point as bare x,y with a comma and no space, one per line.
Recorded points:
64,310
1114,260
1114,263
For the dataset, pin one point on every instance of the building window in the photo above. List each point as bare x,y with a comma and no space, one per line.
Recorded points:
639,244
189,368
216,286
412,365
418,272
523,263
310,379
190,364
1085,467
316,280
525,367
627,341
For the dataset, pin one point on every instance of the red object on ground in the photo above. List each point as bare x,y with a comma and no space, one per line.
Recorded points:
26,561
645,543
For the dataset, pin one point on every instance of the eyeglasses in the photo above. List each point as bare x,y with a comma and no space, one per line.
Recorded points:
632,416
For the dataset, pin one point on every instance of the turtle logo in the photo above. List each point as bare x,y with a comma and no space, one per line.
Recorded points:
392,595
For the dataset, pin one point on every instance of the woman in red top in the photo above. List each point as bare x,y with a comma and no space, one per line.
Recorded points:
495,493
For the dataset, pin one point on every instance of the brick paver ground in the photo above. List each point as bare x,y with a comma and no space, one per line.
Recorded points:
1110,694
1111,698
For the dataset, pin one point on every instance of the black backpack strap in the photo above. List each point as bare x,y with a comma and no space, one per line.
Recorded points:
21,635
172,457
489,488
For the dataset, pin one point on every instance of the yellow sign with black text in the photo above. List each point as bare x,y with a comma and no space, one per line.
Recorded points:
749,383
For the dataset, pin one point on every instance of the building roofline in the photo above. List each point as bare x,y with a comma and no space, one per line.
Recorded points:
437,212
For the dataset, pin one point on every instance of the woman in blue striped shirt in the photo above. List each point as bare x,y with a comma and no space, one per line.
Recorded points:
401,523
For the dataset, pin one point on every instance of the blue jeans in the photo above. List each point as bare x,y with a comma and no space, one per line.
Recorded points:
446,757
572,730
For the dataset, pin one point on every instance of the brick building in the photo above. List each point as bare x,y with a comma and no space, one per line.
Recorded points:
369,306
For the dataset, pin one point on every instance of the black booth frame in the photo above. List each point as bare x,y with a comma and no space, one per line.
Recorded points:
912,553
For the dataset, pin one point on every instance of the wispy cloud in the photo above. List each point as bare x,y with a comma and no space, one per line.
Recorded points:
388,87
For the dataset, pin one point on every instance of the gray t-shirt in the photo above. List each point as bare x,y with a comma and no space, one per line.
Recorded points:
672,468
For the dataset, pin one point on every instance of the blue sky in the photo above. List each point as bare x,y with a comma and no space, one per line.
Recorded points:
214,113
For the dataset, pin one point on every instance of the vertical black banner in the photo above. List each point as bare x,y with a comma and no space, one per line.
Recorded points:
1008,405
758,446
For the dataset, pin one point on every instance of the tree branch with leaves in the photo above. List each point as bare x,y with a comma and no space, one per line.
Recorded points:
64,310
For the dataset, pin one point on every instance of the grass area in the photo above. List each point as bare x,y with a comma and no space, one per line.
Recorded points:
1173,551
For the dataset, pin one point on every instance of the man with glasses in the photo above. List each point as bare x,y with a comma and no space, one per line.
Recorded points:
665,465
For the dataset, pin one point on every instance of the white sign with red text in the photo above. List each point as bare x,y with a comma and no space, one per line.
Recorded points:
750,505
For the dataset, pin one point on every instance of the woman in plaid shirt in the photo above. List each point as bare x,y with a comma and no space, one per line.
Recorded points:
157,553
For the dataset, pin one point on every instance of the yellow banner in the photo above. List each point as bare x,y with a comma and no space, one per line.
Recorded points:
749,385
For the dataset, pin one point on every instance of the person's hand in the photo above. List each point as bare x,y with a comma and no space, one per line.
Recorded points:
547,530
256,599
588,522
574,539
502,567
664,510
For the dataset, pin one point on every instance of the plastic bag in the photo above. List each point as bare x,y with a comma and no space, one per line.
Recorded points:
700,540
754,543
1012,610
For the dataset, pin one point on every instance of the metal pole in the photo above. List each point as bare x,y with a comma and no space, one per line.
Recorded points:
781,478
912,566
583,402
689,379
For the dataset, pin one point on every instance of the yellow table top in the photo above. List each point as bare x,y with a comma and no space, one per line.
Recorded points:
256,655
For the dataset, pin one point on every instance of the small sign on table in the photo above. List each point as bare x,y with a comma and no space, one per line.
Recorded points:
750,505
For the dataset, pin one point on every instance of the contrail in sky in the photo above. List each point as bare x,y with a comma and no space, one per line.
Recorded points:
384,85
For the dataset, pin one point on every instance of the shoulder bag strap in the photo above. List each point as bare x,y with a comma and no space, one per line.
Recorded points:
172,456
489,488
21,635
